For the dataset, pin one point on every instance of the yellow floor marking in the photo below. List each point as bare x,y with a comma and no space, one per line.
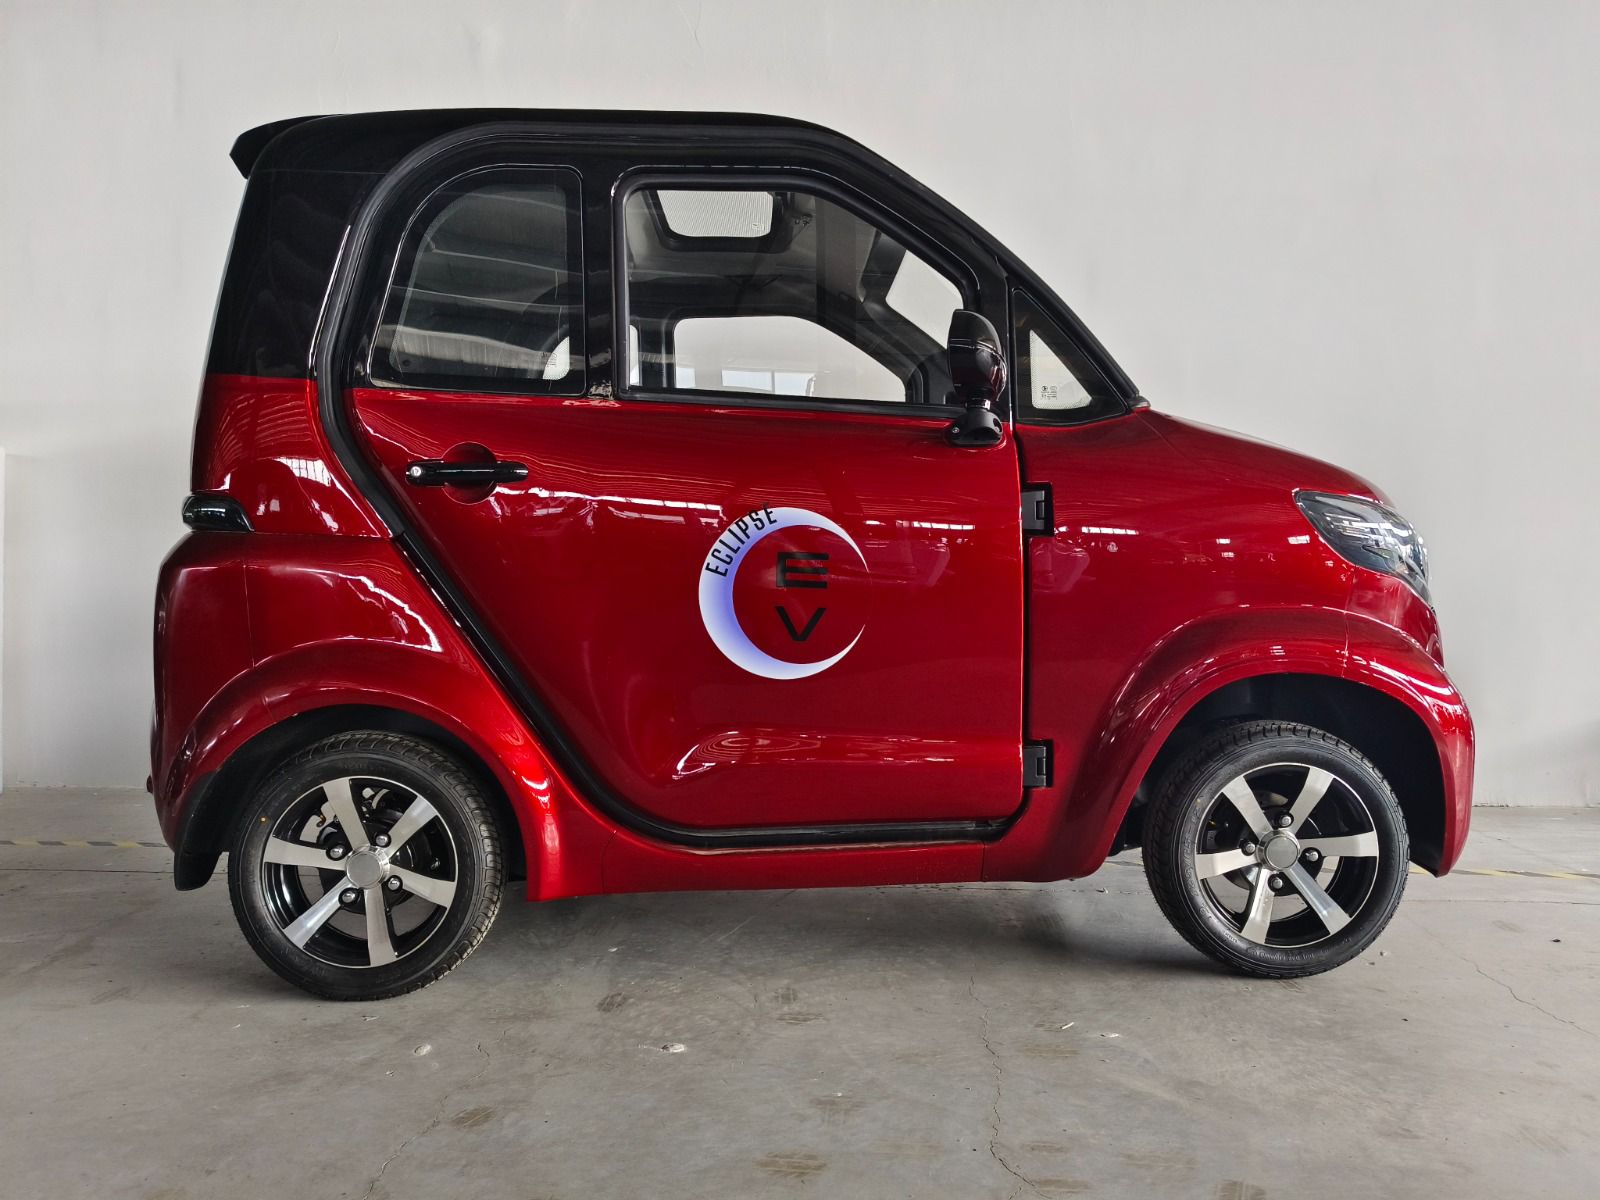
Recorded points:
107,843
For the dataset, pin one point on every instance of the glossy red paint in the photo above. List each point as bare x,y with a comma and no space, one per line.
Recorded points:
1179,565
301,624
589,570
298,625
261,441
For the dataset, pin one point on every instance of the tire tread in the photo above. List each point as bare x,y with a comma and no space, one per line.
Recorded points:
1167,810
425,756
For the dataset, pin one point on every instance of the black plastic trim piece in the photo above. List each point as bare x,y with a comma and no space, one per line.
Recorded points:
1038,510
248,146
332,345
194,857
1038,762
215,513
933,414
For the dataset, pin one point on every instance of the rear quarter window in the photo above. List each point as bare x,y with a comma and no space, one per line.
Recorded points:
486,291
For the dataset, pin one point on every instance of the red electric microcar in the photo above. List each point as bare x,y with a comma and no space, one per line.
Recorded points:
645,501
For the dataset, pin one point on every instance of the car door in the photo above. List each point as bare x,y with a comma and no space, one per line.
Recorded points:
746,585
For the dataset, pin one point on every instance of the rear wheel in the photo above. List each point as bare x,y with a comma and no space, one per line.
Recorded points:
1276,848
366,866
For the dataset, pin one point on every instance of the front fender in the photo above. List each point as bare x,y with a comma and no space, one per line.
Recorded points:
1069,828
1387,660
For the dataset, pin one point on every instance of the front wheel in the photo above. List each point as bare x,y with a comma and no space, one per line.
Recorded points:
366,866
1276,848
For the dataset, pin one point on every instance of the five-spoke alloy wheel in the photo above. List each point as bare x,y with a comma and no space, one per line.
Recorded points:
366,866
1277,849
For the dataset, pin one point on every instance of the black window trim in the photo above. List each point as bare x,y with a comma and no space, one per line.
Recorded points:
575,382
820,183
1101,407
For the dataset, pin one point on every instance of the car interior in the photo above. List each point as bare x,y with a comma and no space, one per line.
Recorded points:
780,292
486,288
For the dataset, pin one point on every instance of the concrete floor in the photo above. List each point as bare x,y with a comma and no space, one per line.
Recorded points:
975,1041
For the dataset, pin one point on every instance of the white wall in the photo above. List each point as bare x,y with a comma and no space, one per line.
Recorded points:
1368,230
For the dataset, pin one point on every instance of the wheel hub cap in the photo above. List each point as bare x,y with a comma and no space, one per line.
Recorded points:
367,868
1280,851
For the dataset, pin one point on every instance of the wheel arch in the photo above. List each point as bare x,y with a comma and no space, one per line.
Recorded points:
211,817
1384,728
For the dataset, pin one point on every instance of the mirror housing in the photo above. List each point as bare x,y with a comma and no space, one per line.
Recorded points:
977,361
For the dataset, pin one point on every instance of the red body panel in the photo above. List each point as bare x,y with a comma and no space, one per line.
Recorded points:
342,621
1180,564
587,572
331,621
261,441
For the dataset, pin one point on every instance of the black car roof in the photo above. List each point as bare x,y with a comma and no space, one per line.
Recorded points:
375,141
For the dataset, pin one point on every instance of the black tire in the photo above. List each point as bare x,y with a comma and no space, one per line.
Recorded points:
1194,832
431,849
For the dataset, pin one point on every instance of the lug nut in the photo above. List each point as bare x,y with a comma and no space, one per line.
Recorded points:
381,840
1275,882
1248,848
393,883
1285,820
348,896
1312,854
337,851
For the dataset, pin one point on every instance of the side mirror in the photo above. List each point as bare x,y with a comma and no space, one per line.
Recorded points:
978,374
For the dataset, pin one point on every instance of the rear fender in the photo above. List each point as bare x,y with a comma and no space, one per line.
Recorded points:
340,622
315,678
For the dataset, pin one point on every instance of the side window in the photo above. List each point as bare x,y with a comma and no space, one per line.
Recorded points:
776,356
779,292
1055,379
486,292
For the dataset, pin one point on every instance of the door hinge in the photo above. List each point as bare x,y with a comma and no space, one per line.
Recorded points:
1038,762
1038,513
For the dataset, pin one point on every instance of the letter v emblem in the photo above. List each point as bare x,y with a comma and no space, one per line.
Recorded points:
800,635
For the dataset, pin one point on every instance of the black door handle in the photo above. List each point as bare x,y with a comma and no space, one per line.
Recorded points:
435,472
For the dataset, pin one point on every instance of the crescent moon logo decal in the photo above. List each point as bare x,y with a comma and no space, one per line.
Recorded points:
807,570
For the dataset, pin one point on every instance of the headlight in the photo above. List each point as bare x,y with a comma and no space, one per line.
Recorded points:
1369,535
